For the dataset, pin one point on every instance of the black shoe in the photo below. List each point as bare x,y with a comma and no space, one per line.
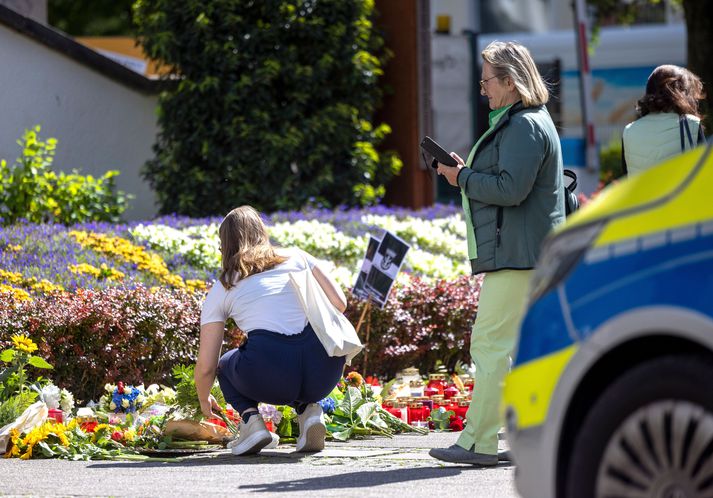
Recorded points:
456,454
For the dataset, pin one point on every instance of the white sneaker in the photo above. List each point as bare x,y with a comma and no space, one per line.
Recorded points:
254,436
312,429
275,441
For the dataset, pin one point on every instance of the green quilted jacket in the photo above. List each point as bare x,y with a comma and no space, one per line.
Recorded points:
515,189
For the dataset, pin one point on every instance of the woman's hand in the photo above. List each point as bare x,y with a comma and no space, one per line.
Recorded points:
209,406
451,172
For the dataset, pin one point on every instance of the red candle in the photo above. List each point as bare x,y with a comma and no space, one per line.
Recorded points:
430,391
55,414
451,391
462,408
415,412
436,381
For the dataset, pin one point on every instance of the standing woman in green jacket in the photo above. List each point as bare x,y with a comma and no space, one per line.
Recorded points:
512,191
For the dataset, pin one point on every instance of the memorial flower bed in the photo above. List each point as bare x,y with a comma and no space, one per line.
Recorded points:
92,289
105,302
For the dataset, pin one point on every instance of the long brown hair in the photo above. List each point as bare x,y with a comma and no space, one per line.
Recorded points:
671,89
245,246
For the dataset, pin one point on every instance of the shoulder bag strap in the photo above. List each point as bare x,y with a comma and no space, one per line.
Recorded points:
684,124
701,136
623,159
680,130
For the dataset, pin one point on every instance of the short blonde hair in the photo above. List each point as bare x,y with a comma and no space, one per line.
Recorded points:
514,60
245,245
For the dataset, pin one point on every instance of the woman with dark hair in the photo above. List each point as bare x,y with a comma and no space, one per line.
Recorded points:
669,119
282,362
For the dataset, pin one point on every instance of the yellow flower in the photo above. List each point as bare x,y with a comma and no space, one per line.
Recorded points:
24,343
17,294
130,434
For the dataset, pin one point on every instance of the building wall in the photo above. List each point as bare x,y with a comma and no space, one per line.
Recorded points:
34,9
100,123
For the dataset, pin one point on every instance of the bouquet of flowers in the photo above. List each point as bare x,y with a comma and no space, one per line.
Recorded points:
123,399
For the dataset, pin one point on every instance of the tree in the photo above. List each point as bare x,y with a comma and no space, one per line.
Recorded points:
699,27
91,17
273,106
699,22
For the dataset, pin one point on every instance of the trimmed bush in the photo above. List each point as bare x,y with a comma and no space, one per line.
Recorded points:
421,325
274,106
95,337
138,335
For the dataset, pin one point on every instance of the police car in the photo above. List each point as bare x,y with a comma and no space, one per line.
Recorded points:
611,390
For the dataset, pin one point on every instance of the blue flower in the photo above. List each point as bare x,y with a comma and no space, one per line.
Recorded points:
328,405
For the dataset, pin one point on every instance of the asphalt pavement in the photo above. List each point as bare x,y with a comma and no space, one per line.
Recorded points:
359,468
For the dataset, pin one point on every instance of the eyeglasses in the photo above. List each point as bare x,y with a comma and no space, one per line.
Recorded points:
483,82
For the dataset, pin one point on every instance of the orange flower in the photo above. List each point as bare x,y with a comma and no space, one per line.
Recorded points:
354,379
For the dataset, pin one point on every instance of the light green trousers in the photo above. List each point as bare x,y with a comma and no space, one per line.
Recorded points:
500,310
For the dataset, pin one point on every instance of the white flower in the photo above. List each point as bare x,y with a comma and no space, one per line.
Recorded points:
140,399
109,388
125,403
112,405
50,395
66,401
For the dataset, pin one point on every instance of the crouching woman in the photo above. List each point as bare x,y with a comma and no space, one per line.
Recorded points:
282,362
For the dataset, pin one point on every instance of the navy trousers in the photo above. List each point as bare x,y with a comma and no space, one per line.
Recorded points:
278,369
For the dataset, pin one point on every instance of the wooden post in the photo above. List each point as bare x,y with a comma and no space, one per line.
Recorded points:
407,109
365,314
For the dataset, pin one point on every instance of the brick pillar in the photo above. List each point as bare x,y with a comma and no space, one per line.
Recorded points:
406,105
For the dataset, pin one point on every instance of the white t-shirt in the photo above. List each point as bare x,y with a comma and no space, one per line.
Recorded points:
265,300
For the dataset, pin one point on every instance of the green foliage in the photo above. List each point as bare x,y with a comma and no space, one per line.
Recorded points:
186,394
91,17
30,190
274,107
610,165
13,407
14,380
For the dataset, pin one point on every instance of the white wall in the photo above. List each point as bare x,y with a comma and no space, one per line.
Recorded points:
34,9
100,123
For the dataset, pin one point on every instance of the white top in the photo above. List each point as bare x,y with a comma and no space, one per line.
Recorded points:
654,138
265,300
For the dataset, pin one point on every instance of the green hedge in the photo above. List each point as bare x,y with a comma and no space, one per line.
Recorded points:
274,105
139,335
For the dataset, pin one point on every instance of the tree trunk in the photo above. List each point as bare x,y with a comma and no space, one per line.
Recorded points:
699,23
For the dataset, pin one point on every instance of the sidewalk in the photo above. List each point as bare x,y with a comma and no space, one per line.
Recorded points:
376,467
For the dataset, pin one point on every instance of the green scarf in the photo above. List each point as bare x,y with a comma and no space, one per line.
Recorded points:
493,119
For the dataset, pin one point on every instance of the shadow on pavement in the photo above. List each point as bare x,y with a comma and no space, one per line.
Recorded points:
224,458
361,479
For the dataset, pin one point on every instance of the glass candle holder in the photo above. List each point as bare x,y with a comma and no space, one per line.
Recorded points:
450,392
436,381
462,409
415,412
55,414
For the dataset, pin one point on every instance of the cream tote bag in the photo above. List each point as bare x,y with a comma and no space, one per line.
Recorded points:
334,331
